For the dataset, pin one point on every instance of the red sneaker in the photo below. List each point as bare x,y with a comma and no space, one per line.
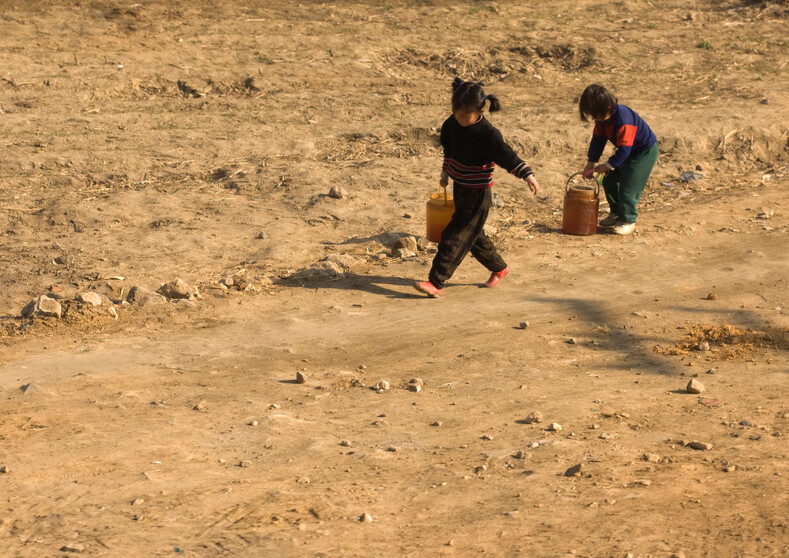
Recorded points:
496,277
428,288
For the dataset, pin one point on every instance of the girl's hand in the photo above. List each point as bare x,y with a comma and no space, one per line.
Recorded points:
602,169
444,179
589,170
534,186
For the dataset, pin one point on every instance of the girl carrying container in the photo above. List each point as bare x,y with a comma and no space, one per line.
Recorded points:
472,148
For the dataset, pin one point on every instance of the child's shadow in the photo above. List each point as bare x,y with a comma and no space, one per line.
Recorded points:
374,284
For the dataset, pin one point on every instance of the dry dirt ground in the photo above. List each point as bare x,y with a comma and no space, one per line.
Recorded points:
144,142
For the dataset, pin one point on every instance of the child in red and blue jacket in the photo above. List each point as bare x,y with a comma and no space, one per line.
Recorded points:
627,170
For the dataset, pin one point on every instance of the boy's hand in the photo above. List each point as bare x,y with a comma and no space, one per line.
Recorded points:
589,170
534,186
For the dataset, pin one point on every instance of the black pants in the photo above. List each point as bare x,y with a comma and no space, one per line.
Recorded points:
464,233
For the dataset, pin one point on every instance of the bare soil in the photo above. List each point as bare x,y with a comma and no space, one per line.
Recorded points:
200,140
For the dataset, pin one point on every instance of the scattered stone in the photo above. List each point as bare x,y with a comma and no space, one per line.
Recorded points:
261,235
694,386
423,243
523,325
533,417
42,306
765,214
65,259
201,406
4,469
345,443
403,254
555,427
605,436
274,406
437,423
480,469
415,384
712,296
253,423
383,385
144,297
643,482
703,346
702,446
178,289
764,101
245,463
90,297
574,471
73,547
711,371
572,341
366,518
520,454
490,230
31,388
534,445
652,458
595,426
487,437
137,502
406,243
678,554
393,449
338,193
300,378
729,468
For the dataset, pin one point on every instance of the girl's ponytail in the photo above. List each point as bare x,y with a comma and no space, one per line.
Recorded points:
495,105
457,82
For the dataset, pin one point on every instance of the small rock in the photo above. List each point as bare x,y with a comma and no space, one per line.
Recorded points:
200,406
711,371
392,449
65,259
437,423
144,297
694,386
520,454
90,297
178,289
366,518
595,426
702,446
137,502
764,101
712,296
253,423
338,193
415,384
42,306
652,457
406,243
383,385
480,469
404,254
678,554
533,417
300,378
555,427
73,547
606,436
4,469
345,443
487,437
703,346
574,471
572,341
31,388
643,482
274,406
729,468
523,325
765,214
245,463
261,235
423,243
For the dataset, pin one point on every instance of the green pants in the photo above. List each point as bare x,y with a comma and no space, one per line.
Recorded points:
623,185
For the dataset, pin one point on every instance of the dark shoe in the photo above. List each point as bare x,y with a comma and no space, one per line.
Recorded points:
428,288
496,277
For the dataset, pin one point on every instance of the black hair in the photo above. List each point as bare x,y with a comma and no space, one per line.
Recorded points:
596,102
470,96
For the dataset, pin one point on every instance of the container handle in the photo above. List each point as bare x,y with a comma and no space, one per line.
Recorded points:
445,192
596,184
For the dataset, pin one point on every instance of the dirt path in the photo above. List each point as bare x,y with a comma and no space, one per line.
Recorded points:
153,141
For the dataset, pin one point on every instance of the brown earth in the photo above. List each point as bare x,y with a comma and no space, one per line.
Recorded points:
144,142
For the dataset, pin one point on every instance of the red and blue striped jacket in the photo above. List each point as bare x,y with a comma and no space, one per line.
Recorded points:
627,131
472,152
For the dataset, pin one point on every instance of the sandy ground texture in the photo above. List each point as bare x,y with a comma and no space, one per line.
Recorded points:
144,142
